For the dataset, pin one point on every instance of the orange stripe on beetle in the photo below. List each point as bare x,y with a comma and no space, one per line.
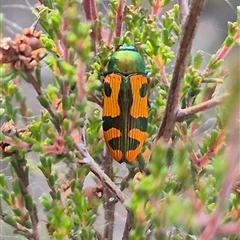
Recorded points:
112,133
111,88
140,100
139,136
118,156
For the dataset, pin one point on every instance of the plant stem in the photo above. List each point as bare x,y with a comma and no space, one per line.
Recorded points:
183,10
109,205
119,18
128,225
182,114
25,192
184,48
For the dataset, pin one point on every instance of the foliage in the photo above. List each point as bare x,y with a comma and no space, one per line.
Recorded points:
188,185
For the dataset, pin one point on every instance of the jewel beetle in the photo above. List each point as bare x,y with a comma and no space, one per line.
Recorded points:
125,104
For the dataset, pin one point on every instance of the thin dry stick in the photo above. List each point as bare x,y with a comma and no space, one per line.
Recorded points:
187,112
95,169
128,225
109,205
184,48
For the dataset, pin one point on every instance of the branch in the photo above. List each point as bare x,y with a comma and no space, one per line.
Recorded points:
182,114
31,209
95,169
128,225
184,48
184,10
109,205
90,9
119,18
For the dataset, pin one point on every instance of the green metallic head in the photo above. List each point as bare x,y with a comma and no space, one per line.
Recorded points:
126,60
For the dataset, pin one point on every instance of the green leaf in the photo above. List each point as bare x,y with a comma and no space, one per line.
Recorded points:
44,100
198,60
18,212
16,186
10,220
28,202
66,103
3,182
229,41
28,224
46,203
51,180
5,196
214,135
66,124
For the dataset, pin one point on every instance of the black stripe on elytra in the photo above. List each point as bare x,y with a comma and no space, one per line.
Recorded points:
114,143
107,89
109,122
139,123
143,90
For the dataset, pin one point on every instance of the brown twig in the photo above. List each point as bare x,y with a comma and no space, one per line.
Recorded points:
109,205
183,5
184,48
98,172
128,225
182,114
95,17
81,80
90,9
119,18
